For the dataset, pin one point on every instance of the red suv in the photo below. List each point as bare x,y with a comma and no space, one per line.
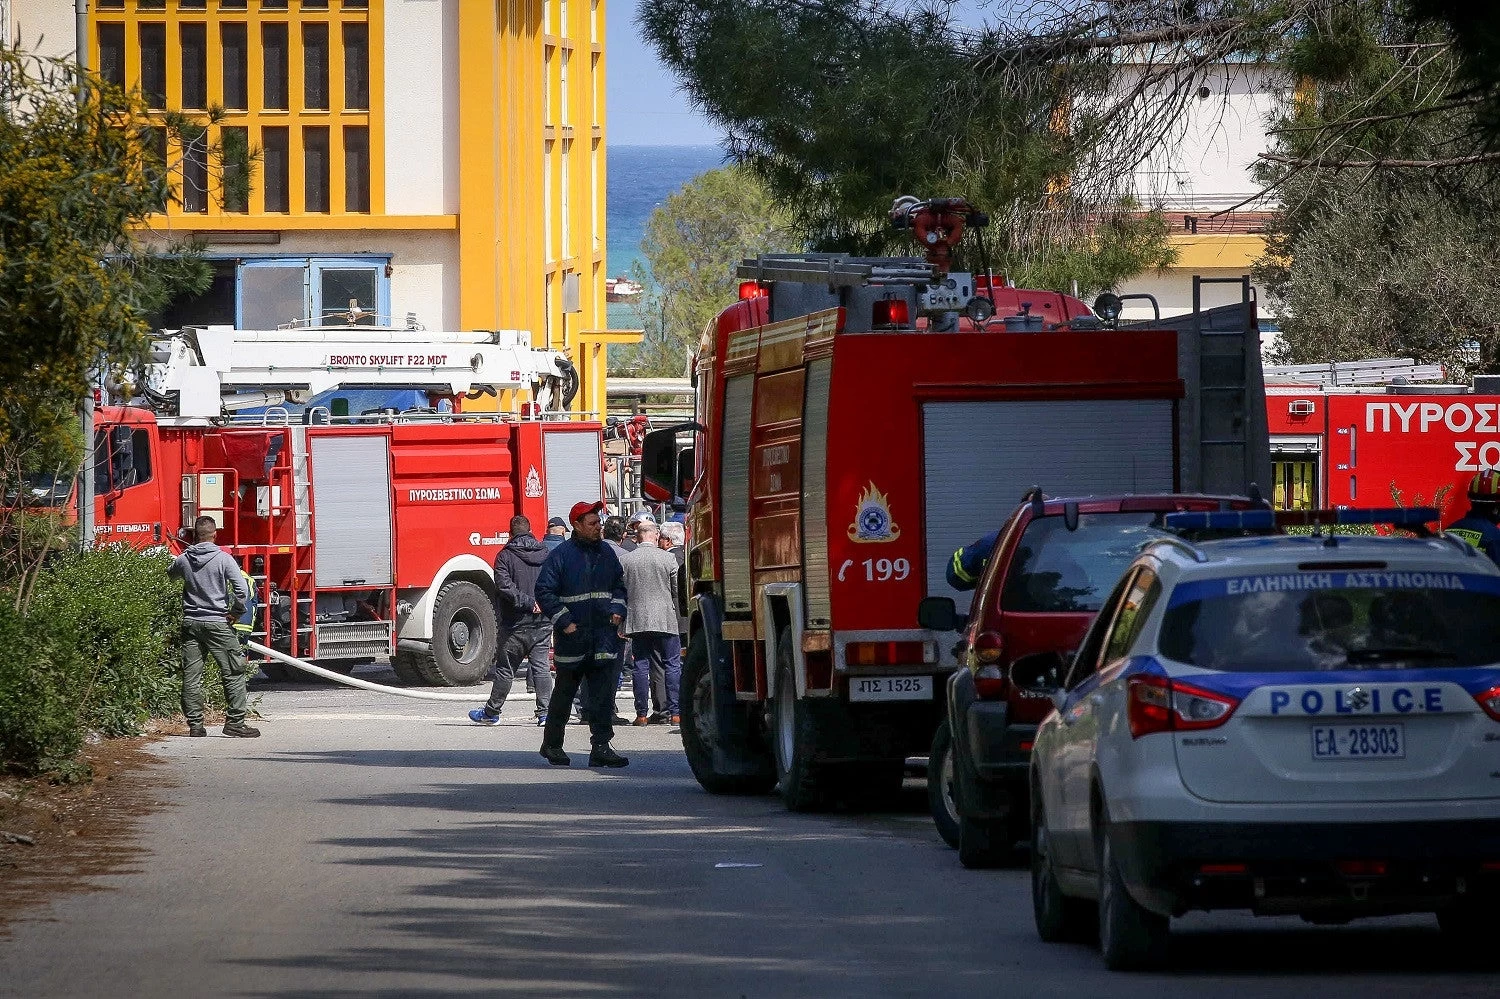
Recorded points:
1054,562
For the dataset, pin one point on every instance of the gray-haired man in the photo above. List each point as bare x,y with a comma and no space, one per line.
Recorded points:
214,593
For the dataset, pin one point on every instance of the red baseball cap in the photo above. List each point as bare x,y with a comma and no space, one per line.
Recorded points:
581,510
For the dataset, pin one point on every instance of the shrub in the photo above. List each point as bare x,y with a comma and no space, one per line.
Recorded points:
93,649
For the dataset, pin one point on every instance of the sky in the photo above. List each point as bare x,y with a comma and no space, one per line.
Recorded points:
644,105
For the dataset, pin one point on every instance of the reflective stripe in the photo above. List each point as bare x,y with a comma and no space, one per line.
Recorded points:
1474,538
958,567
607,656
575,598
566,659
559,615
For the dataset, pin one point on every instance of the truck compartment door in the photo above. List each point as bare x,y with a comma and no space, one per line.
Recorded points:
351,486
979,457
575,469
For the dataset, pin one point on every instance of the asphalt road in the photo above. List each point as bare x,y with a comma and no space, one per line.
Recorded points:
374,846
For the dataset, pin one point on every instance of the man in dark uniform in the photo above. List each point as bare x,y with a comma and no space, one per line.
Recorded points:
582,590
1478,527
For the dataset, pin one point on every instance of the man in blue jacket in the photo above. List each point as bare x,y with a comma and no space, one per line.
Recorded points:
581,589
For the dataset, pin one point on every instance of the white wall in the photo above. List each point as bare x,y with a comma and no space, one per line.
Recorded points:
44,27
421,107
1206,167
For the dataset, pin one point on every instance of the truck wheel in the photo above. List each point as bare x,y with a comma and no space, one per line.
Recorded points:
794,737
464,637
942,799
1131,937
404,665
1059,919
700,732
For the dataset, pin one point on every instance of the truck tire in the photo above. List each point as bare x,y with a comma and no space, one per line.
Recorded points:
700,733
794,738
942,798
404,665
464,637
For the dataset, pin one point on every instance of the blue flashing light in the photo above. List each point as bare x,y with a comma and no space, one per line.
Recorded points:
1221,520
1412,517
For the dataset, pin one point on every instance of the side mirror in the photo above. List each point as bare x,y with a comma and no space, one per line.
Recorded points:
1040,672
940,614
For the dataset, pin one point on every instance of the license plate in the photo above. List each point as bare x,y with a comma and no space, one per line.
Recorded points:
890,688
1359,742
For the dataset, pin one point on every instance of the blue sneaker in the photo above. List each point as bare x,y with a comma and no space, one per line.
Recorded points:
541,720
479,716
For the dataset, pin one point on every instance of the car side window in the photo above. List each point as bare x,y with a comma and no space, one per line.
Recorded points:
1086,662
1132,616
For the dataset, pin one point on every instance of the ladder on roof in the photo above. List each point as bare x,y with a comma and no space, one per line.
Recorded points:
836,270
1229,406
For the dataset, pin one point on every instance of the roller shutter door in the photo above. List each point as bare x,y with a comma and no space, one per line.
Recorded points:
351,483
575,471
979,457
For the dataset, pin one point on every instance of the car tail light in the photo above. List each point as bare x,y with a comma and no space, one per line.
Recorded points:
890,653
1490,701
1361,868
890,312
988,647
1223,869
1160,704
990,683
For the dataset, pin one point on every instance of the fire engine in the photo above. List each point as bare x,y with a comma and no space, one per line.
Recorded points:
1371,434
857,419
367,534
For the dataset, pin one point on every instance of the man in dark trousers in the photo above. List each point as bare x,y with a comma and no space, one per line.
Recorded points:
581,589
651,579
672,538
214,593
528,635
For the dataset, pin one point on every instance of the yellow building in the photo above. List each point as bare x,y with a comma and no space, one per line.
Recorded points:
442,159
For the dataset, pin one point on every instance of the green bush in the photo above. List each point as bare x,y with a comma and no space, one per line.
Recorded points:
94,649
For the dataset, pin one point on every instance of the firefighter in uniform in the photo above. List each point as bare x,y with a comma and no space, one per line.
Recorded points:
581,588
1478,527
967,563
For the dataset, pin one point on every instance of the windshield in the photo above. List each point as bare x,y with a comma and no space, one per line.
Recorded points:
1331,621
1056,569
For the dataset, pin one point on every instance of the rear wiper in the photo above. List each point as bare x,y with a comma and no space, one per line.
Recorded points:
1396,653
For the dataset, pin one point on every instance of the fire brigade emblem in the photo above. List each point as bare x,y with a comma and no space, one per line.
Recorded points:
872,518
533,484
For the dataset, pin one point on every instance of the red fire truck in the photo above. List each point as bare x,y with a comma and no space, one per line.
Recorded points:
1373,445
854,426
366,535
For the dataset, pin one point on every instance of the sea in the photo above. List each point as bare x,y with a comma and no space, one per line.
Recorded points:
639,179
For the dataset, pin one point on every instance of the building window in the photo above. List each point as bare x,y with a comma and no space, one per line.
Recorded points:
342,289
595,180
273,41
232,4
273,4
276,168
356,66
567,201
235,142
276,290
562,89
314,4
236,66
195,172
194,38
356,168
315,66
154,64
594,21
562,17
356,4
112,54
547,54
547,201
596,78
315,167
547,28
156,145
192,4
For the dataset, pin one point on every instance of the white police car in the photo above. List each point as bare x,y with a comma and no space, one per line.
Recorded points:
1289,725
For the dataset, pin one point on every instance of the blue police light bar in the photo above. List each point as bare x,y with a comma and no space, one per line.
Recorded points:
1265,520
1221,520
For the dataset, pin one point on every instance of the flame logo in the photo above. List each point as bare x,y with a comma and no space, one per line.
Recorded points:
872,518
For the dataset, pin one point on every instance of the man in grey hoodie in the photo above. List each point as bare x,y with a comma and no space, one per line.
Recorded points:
214,592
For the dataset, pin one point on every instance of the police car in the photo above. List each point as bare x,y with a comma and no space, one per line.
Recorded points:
1305,725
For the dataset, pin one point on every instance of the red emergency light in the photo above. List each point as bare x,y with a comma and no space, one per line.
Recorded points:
752,289
890,312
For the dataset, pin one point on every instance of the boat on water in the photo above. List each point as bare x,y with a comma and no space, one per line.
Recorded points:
620,289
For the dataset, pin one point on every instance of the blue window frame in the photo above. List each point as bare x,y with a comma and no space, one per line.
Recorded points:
271,291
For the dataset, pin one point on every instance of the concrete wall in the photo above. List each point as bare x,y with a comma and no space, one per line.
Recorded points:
43,27
421,107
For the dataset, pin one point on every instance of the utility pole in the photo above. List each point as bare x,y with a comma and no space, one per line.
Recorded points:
86,474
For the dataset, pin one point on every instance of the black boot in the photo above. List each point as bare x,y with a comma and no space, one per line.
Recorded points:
603,756
239,730
555,756
197,731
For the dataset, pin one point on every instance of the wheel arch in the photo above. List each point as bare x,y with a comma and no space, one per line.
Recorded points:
416,625
781,608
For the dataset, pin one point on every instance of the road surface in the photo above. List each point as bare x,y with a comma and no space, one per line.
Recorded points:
378,847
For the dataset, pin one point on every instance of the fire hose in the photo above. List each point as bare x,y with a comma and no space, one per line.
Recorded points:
349,681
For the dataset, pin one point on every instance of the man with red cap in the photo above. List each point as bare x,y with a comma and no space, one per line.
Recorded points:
582,590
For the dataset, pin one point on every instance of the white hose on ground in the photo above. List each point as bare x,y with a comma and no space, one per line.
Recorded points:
349,681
